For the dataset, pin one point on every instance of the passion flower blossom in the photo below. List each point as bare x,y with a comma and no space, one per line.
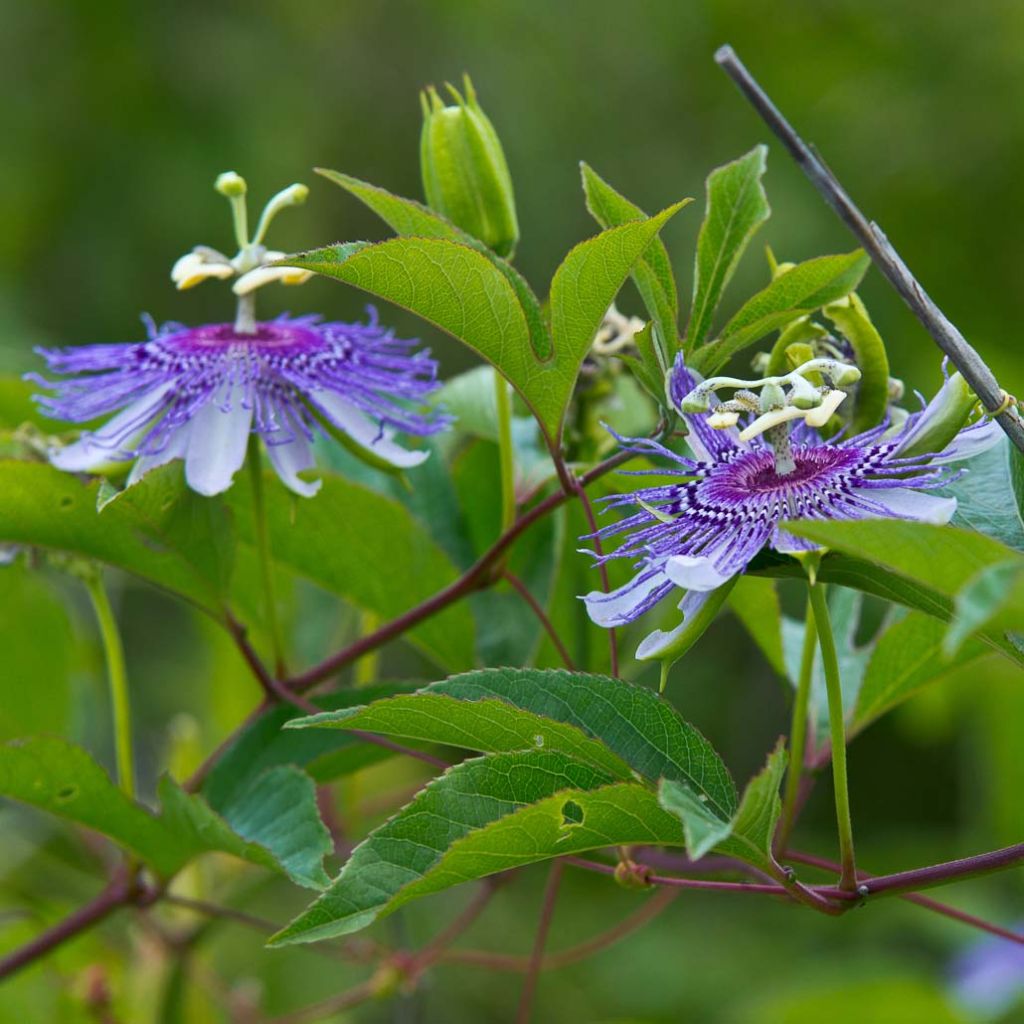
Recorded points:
700,533
198,393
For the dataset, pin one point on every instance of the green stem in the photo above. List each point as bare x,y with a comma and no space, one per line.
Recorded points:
506,453
798,734
837,730
113,651
262,535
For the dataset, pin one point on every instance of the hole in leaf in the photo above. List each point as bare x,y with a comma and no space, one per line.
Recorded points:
66,793
572,814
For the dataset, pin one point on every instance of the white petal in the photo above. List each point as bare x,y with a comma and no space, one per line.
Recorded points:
907,503
290,458
216,444
620,606
655,643
115,439
364,431
264,275
692,573
175,448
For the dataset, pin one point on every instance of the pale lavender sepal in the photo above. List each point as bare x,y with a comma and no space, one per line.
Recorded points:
657,642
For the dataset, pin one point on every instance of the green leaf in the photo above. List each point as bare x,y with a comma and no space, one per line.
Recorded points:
16,405
584,286
908,549
37,643
653,273
755,601
801,289
997,592
481,817
278,812
274,822
748,834
158,529
648,367
633,723
408,218
450,284
491,726
266,743
907,657
405,217
352,541
465,293
736,208
987,497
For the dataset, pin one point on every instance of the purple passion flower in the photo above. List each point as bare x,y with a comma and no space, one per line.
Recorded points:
700,533
197,393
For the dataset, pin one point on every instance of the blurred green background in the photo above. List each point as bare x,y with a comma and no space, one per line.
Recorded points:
118,116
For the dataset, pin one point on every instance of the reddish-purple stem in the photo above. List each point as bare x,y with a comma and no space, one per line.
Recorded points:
922,901
121,891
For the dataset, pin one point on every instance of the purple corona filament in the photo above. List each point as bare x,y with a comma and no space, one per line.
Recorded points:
197,393
699,533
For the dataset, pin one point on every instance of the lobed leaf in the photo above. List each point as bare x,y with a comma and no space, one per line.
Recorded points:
988,495
464,292
408,218
267,743
897,560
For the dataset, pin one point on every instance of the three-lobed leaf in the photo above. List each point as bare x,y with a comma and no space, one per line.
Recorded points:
463,291
897,560
409,218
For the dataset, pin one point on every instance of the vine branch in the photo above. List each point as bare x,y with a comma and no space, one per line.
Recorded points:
943,332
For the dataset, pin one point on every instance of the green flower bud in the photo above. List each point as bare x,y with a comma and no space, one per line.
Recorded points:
465,176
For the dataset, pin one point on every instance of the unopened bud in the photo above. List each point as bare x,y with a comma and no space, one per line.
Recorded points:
465,175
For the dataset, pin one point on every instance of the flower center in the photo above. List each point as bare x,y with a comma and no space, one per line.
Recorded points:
263,336
756,473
